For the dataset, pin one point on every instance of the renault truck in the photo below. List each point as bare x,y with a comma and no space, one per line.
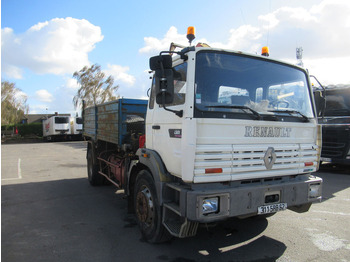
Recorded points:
223,134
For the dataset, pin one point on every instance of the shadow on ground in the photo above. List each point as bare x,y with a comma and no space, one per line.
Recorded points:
337,169
68,220
335,178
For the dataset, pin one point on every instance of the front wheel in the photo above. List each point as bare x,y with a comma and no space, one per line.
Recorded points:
147,209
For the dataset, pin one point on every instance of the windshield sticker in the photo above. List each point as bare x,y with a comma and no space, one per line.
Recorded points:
261,131
198,98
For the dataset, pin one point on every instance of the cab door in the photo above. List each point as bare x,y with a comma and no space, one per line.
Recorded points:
164,128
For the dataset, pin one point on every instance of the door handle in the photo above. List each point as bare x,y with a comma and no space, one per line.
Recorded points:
156,127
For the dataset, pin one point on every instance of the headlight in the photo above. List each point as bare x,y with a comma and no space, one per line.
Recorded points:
314,190
210,205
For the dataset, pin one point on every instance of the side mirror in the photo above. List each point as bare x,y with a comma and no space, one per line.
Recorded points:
164,86
164,78
155,62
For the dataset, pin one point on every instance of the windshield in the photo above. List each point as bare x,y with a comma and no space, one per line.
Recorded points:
79,120
337,102
236,86
61,120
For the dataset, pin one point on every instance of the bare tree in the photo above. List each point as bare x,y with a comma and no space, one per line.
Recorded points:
13,103
95,88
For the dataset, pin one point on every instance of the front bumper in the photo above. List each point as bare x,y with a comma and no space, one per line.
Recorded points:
244,199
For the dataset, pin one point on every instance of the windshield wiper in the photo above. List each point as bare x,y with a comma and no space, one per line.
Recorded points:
258,116
305,118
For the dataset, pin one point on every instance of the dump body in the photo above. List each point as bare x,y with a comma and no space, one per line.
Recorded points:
115,121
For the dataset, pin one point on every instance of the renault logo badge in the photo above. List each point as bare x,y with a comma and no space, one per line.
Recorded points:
269,158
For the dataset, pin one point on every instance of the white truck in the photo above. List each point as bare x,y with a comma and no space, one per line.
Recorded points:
76,128
224,134
56,128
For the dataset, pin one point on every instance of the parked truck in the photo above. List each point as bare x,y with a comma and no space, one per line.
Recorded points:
56,128
333,106
76,128
224,134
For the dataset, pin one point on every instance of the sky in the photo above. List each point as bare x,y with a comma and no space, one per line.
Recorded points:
44,42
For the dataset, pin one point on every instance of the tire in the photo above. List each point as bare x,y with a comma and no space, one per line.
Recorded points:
147,209
94,177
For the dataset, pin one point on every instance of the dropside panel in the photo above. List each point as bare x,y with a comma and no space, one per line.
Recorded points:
107,122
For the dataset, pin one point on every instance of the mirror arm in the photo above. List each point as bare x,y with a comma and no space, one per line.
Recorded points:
181,53
179,113
323,96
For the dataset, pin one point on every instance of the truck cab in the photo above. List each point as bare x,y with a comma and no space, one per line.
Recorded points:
56,128
235,107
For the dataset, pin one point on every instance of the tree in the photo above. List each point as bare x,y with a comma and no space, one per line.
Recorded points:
95,88
13,104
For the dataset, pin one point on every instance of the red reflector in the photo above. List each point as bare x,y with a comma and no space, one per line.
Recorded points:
309,163
213,170
142,140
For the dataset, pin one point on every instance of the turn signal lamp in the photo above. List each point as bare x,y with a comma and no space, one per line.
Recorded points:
213,170
308,163
190,34
265,51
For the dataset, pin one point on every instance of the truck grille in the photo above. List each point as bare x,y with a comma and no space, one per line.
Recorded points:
247,161
335,140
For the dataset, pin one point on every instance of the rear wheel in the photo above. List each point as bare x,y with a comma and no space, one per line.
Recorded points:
94,177
147,209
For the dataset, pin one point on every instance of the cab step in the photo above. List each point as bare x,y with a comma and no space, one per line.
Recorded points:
174,218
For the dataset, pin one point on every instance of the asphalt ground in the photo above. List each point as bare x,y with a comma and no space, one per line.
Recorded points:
49,212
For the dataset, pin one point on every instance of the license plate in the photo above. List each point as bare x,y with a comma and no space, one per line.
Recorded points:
326,159
271,208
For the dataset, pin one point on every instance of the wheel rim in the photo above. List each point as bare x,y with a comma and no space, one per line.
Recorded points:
144,206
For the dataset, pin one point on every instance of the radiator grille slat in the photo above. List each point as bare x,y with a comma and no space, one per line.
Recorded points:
239,161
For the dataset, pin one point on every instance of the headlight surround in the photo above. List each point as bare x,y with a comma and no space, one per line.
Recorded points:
210,205
315,190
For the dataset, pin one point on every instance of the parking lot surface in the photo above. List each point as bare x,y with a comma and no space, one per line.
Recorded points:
49,212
